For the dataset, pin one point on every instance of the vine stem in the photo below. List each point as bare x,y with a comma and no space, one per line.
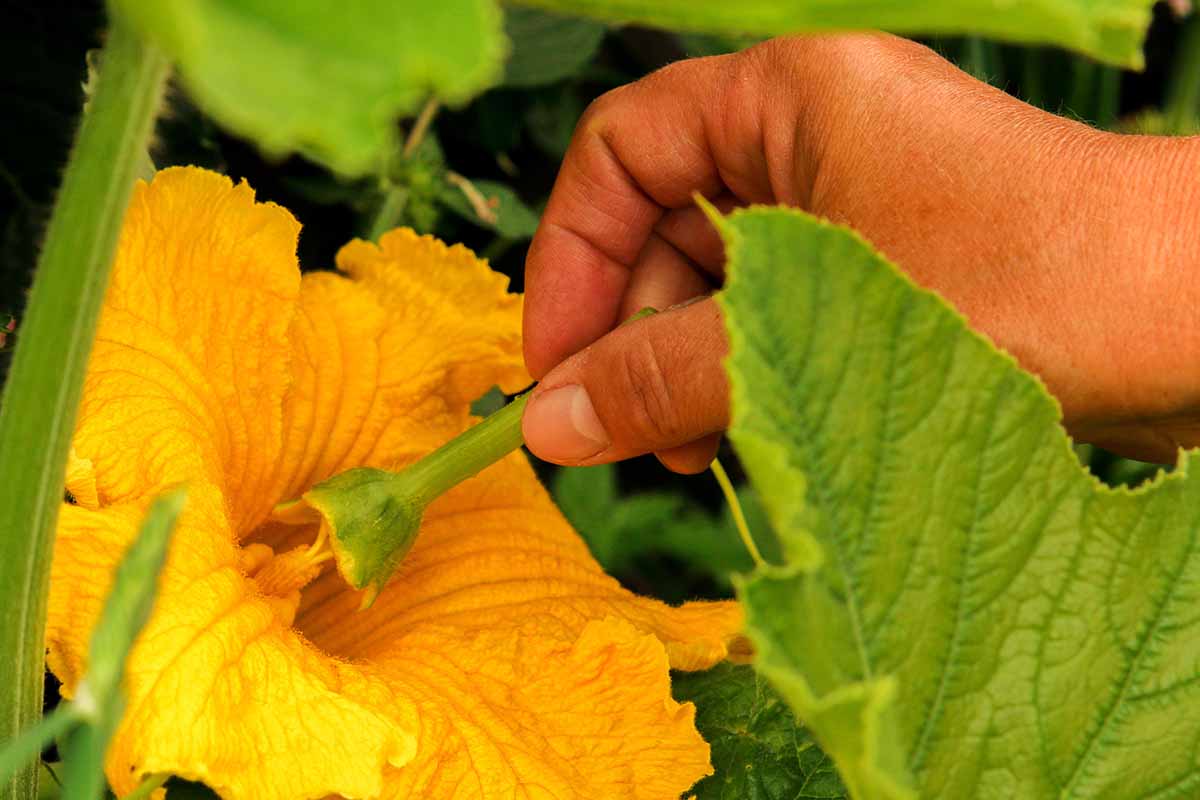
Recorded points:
37,414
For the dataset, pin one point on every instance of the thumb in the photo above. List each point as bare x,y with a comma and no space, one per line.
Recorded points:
655,384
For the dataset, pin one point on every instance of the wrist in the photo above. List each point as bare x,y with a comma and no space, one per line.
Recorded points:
1135,220
1069,247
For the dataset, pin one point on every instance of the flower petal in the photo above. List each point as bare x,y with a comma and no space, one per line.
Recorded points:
501,660
220,689
530,712
189,367
387,363
493,551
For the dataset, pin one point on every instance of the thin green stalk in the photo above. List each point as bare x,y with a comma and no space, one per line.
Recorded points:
147,786
1183,92
735,506
421,126
389,213
37,415
396,195
471,452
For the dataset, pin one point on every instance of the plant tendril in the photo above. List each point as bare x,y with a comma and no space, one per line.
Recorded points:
735,505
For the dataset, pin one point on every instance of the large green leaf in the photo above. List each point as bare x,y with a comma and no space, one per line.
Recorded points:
963,610
1111,30
759,750
328,79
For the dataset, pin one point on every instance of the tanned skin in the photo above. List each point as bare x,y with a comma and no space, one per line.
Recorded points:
1076,250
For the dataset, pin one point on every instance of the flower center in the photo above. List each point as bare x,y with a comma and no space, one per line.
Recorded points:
281,576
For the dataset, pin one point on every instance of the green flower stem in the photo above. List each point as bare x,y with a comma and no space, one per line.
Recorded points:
37,415
147,786
469,453
373,516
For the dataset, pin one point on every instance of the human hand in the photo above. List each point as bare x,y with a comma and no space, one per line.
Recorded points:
1037,228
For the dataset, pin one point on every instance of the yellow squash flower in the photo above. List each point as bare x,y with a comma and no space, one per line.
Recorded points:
501,662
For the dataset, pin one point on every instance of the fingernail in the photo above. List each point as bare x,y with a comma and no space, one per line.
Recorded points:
561,425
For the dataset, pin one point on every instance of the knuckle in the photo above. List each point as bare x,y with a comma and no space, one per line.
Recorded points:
594,115
651,412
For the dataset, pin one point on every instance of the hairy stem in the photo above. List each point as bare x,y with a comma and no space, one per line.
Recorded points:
37,415
471,452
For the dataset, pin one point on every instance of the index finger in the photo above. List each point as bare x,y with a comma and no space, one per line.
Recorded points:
639,151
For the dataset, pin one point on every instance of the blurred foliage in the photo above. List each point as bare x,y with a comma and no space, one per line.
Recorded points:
1111,30
293,76
547,47
633,534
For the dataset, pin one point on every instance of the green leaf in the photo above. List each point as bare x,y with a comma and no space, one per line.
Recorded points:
99,699
547,47
491,205
1110,30
326,79
760,751
964,610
